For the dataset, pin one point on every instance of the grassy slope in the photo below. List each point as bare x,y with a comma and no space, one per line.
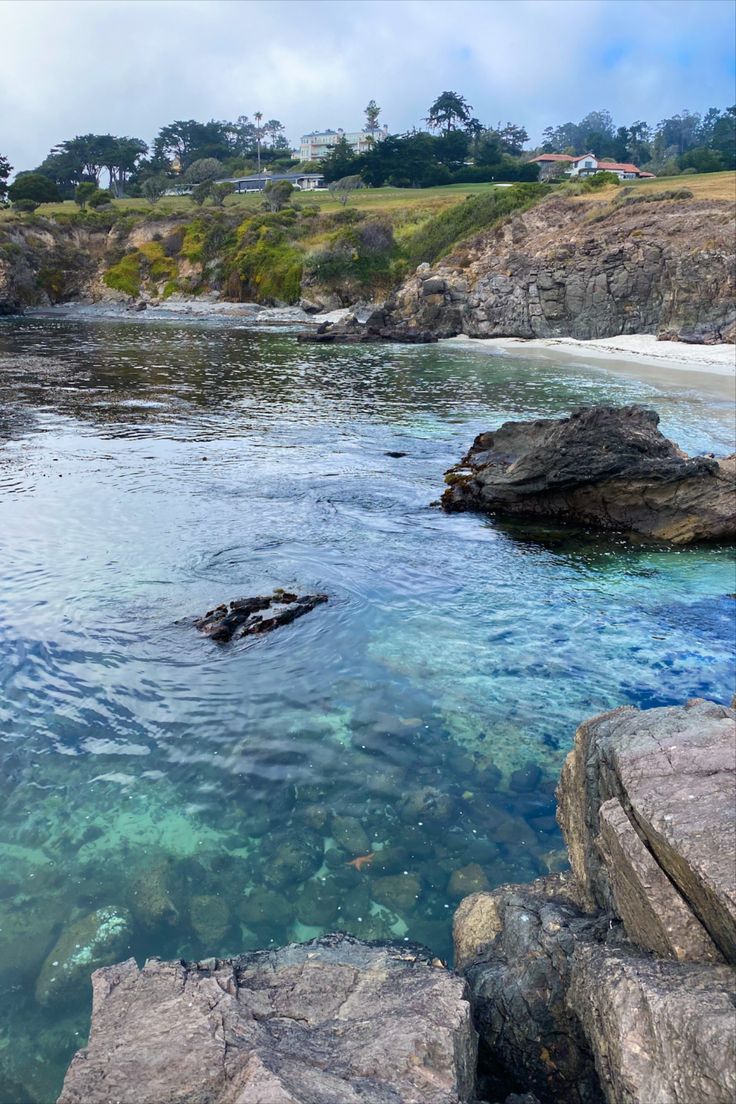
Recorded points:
720,185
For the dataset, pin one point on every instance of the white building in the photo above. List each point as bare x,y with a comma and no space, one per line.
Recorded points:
553,164
318,143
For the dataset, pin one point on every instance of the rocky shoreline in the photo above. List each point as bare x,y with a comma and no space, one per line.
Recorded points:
614,983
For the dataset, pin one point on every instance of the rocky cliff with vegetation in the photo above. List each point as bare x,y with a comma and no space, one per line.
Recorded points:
522,261
654,262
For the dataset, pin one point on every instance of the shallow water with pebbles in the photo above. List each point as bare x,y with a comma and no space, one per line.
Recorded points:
216,797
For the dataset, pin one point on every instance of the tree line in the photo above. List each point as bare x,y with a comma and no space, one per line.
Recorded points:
455,147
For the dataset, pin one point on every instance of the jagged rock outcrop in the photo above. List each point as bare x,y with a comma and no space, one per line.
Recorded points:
572,269
256,616
350,331
333,1021
647,804
610,984
604,466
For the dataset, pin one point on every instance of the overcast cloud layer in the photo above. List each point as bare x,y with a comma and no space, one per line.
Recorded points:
130,66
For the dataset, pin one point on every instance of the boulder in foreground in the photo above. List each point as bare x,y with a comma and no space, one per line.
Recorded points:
604,466
333,1020
610,984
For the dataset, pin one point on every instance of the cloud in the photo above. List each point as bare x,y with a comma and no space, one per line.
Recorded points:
73,66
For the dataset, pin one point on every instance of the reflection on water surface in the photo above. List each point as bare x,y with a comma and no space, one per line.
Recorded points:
214,798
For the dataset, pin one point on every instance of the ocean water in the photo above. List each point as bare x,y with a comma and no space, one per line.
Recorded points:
214,797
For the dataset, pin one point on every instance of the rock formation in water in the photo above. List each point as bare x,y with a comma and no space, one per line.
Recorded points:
334,1020
570,269
605,467
616,984
349,331
255,616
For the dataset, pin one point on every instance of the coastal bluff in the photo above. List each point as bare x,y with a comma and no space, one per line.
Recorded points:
612,984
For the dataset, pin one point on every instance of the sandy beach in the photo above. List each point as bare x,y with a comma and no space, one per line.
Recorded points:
708,368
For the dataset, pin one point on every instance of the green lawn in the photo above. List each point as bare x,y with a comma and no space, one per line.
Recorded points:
428,200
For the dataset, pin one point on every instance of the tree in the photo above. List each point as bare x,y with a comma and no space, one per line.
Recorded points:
512,138
5,170
340,161
277,194
186,140
701,159
154,187
342,188
201,192
452,149
220,192
100,198
372,111
258,116
84,192
723,138
207,168
35,186
448,111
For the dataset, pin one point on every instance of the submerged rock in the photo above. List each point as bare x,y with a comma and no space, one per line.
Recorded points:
253,616
314,1023
604,466
83,946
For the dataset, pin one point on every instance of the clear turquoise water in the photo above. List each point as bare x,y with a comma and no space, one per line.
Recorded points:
152,469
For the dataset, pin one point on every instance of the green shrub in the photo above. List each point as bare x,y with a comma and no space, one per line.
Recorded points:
126,275
437,236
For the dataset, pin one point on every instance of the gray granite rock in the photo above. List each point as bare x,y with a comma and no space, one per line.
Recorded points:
673,771
333,1021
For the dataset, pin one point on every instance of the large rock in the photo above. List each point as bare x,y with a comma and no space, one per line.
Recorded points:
334,1021
514,946
84,945
566,1007
604,466
568,996
673,773
659,1031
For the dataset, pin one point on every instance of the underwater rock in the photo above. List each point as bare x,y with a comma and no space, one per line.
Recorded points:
291,860
153,896
209,917
349,834
317,902
427,805
88,943
603,466
254,616
398,892
264,908
468,879
313,1023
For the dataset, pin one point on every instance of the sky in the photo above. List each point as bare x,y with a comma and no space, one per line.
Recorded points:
131,66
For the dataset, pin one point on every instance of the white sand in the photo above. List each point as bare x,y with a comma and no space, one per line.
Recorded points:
710,368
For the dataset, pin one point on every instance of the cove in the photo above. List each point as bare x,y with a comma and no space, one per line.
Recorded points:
151,469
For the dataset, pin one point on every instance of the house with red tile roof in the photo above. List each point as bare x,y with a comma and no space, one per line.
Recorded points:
556,164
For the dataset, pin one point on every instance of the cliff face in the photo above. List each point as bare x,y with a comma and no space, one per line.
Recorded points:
566,268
